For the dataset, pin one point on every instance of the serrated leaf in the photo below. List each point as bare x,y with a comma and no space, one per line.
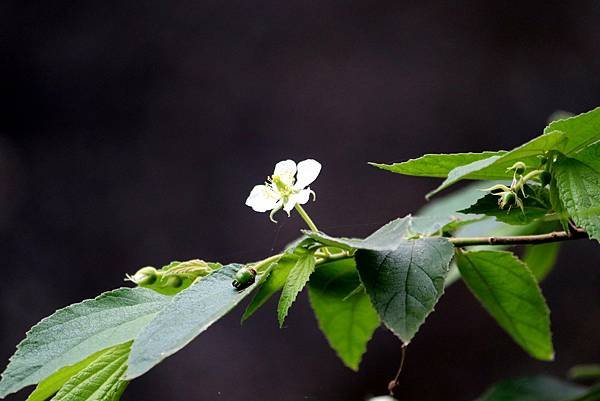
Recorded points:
345,316
110,319
579,189
537,388
187,315
509,292
271,283
581,130
541,258
296,280
405,283
495,167
101,380
590,156
536,206
435,165
49,386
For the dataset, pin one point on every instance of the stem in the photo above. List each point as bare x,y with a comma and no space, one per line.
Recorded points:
394,383
554,236
266,262
306,218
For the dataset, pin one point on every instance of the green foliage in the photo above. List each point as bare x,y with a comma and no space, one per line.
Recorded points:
53,383
112,318
436,165
405,283
579,189
537,388
101,380
187,315
537,205
541,258
509,292
296,280
396,275
345,316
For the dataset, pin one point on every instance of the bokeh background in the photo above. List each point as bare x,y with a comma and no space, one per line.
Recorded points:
132,132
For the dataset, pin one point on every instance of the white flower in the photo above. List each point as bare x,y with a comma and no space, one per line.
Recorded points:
286,187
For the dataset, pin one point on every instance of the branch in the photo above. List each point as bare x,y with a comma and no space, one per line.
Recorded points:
555,236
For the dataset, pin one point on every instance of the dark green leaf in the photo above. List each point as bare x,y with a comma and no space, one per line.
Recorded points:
579,189
296,280
435,165
112,318
345,316
509,292
270,283
184,318
405,283
536,206
537,388
101,380
541,258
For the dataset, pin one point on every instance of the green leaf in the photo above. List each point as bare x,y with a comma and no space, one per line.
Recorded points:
579,189
536,203
405,283
495,167
509,292
270,283
581,130
541,258
537,388
390,235
435,165
49,386
348,321
99,381
92,325
295,282
187,315
590,156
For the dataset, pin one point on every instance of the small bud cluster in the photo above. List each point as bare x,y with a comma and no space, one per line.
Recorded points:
173,277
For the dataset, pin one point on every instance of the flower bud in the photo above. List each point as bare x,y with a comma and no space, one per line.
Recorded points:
173,282
518,167
508,199
145,276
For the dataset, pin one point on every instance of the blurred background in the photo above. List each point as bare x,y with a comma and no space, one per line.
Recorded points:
132,132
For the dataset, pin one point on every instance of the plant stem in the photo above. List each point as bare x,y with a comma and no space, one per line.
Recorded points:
266,262
306,218
554,236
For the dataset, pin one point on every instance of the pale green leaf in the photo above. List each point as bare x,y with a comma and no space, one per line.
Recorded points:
270,283
541,258
590,156
435,165
112,318
495,167
345,316
537,388
187,315
405,283
579,189
49,386
101,380
581,130
296,280
509,292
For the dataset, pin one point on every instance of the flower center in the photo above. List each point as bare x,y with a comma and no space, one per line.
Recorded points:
282,186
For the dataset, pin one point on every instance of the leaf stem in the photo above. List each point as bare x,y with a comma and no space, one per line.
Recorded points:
306,218
555,236
266,262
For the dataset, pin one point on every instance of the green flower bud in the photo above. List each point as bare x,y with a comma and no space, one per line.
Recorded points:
145,276
173,282
545,178
518,167
244,278
508,199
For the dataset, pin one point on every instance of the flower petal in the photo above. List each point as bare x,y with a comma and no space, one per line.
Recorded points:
262,198
308,171
299,197
285,168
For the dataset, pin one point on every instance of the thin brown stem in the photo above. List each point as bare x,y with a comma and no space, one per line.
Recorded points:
555,236
394,383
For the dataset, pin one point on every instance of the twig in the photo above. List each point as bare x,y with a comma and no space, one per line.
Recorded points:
554,236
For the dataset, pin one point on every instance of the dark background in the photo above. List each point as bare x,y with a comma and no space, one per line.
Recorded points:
132,132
